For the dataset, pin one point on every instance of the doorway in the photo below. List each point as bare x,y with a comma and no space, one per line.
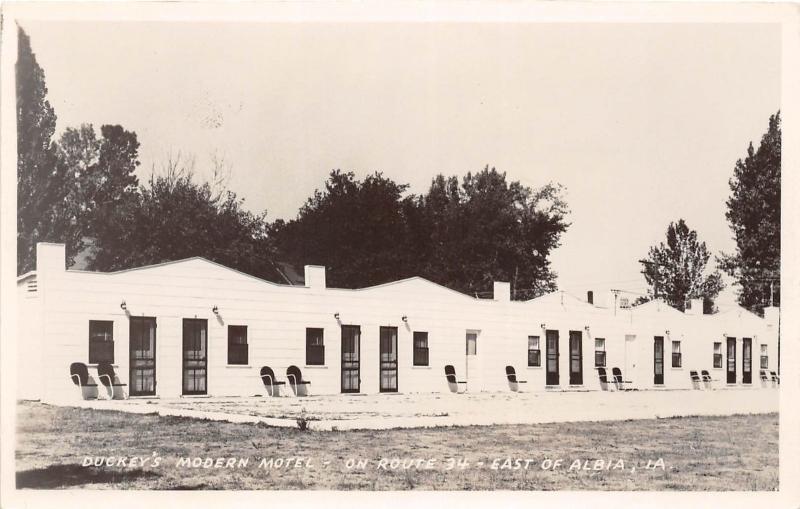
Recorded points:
575,358
551,354
630,357
473,368
747,360
731,367
388,359
658,360
142,344
351,358
195,356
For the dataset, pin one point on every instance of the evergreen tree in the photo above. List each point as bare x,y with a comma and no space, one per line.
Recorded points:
754,215
42,211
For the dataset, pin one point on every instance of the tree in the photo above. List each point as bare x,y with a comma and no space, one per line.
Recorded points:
41,190
101,180
488,229
357,229
173,217
461,235
754,215
675,271
69,189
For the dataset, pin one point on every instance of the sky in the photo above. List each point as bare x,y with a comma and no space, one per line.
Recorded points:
642,123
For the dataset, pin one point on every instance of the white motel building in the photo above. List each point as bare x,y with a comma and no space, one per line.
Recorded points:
193,328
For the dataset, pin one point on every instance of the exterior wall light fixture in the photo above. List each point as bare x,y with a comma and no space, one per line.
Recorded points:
405,319
586,328
543,326
336,315
215,309
123,306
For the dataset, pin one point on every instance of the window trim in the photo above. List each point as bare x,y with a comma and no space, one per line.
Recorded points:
537,351
92,354
310,347
600,351
676,356
420,350
246,345
717,359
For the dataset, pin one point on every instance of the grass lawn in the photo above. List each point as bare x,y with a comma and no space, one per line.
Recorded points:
698,453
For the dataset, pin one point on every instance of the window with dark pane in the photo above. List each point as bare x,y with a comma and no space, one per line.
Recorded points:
676,354
420,348
315,347
101,341
534,352
600,352
237,344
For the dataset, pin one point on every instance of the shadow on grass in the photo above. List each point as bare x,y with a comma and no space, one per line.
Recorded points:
65,476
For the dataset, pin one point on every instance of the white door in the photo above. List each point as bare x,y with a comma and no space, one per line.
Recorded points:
474,371
630,359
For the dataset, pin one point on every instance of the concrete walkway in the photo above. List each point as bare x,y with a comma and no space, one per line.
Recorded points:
345,412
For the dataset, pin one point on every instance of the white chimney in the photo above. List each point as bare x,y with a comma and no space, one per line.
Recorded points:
315,277
772,315
502,291
50,257
694,307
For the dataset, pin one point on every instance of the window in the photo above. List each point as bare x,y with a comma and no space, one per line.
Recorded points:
101,341
237,344
315,347
718,355
764,357
420,349
599,353
534,354
676,354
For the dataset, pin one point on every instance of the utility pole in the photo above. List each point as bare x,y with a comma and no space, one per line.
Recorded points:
773,277
616,294
771,292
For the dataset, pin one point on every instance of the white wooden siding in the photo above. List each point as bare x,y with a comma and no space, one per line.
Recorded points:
277,316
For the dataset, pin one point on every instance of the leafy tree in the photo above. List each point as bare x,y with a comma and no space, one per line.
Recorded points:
41,190
754,215
675,271
66,190
462,235
173,217
488,229
101,176
357,229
